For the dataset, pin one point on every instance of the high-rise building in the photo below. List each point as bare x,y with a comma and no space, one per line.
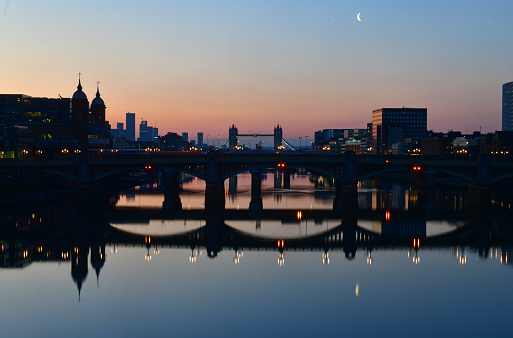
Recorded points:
394,128
185,136
147,134
130,126
507,106
200,140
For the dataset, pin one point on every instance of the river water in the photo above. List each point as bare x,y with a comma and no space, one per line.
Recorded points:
60,284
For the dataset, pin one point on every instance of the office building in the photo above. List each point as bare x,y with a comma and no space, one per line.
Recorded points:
507,106
394,130
24,108
200,140
147,134
185,137
130,126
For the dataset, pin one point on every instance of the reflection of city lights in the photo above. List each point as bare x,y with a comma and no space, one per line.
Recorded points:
75,249
238,256
281,259
114,249
369,258
416,243
156,251
387,215
147,239
39,249
64,255
25,254
326,258
192,257
299,215
463,259
357,289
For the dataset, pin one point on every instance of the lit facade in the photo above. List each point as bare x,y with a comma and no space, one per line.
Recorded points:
507,106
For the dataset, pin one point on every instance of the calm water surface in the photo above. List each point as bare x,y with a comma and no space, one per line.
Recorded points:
135,290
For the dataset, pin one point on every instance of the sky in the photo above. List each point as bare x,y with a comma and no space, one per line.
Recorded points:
201,66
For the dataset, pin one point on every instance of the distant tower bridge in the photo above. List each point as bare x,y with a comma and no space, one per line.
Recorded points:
233,138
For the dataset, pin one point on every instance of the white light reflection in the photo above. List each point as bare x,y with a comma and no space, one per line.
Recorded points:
238,256
325,258
281,259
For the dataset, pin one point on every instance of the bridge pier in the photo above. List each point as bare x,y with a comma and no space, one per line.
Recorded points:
256,190
232,187
214,192
171,180
479,205
286,178
346,192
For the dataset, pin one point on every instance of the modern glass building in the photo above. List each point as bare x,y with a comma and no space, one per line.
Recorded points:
507,106
398,127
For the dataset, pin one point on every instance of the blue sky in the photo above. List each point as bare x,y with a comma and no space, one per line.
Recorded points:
203,65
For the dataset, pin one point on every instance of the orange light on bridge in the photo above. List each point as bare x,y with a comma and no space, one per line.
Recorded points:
386,161
387,215
416,243
299,215
281,243
417,168
147,239
281,165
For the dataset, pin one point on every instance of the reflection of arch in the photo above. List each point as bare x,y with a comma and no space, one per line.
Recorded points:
156,167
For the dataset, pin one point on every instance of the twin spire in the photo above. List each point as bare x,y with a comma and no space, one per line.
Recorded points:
79,87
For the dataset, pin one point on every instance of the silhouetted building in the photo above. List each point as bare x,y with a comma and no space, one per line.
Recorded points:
507,106
99,128
147,134
24,108
341,140
130,127
278,138
233,133
437,146
185,137
200,140
393,127
171,142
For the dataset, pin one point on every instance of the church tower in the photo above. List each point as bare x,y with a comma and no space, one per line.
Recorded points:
80,116
98,108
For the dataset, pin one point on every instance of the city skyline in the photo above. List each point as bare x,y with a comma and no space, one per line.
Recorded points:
203,66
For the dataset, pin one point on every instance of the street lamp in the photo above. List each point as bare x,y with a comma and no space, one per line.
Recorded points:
300,137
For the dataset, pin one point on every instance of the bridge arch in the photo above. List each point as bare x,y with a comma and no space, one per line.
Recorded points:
379,172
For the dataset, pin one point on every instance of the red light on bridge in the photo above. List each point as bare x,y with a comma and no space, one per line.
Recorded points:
281,165
281,243
386,161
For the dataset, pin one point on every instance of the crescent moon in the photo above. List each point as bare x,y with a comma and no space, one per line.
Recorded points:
358,17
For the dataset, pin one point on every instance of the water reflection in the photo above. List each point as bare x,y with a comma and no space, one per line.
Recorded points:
400,241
